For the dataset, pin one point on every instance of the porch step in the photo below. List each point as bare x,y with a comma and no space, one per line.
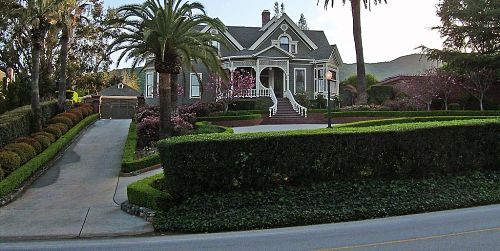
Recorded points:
284,115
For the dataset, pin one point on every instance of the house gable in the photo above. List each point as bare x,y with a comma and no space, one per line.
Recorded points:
227,35
285,19
274,51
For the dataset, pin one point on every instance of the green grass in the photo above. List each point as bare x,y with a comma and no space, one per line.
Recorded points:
231,118
16,178
130,164
328,203
408,120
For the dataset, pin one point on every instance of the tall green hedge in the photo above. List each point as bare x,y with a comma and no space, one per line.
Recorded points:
18,122
206,163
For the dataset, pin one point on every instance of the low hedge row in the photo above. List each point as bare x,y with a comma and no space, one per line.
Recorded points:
21,174
411,113
231,118
130,164
18,122
143,193
265,160
327,203
408,120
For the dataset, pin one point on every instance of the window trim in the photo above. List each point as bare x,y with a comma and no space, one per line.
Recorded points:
289,41
191,85
149,86
295,79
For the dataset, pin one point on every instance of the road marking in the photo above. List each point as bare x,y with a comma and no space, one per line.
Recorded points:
412,239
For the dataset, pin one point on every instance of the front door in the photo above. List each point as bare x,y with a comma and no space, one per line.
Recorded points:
278,82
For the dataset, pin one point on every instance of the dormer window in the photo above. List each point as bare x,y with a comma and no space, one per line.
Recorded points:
285,43
120,86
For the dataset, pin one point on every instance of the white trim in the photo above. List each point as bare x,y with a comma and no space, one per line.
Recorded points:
200,75
147,85
274,46
292,25
228,36
335,56
295,80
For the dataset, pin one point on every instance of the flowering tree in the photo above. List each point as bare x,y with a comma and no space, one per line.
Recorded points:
447,84
227,90
478,82
421,91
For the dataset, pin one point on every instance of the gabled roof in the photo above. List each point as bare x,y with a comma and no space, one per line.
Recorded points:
274,48
125,90
228,36
292,25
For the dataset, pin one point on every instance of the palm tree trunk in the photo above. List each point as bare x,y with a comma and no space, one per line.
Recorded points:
62,74
35,75
358,43
174,92
165,95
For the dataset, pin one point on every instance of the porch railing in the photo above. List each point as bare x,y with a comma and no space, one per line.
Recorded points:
301,110
273,109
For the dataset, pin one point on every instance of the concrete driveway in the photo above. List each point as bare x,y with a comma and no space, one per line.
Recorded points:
76,197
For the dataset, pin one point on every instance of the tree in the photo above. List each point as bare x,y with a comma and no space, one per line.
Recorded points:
166,34
471,46
39,15
303,22
71,13
358,41
422,91
447,84
227,90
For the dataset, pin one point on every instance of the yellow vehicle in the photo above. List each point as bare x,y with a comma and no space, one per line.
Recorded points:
72,96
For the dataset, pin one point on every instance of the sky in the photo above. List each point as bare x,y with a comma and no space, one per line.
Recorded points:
389,30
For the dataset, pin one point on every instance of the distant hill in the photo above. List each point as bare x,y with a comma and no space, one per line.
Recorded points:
405,65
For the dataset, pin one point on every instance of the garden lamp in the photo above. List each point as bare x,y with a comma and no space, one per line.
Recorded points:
329,78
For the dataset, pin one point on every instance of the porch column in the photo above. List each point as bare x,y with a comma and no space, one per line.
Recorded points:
257,79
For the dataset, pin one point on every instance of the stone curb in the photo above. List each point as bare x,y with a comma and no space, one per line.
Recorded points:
143,212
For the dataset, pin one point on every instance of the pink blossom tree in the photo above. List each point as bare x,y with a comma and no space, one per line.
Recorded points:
237,86
446,84
424,91
478,82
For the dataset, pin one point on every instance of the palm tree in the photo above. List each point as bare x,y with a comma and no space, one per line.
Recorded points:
166,34
358,42
69,16
40,16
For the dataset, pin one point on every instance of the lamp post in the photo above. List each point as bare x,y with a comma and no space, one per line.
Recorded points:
329,78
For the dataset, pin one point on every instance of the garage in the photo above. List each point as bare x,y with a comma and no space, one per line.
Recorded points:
118,102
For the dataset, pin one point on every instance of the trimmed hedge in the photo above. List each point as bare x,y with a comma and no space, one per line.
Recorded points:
328,203
61,119
32,142
43,140
18,122
16,178
9,161
49,136
142,193
23,150
231,118
265,160
54,130
130,164
412,113
408,120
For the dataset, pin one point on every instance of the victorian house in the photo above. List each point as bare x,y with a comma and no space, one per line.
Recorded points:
284,60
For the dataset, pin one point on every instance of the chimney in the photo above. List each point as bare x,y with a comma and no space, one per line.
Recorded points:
266,17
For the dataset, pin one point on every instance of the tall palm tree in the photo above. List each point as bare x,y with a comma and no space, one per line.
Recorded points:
358,42
39,15
69,15
165,32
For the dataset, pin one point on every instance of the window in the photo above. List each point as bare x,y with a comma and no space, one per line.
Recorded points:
149,84
293,48
285,43
195,85
300,81
216,45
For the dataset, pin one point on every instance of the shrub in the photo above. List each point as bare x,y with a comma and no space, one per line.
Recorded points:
2,173
62,127
49,136
207,128
17,123
147,111
23,150
319,102
231,118
413,113
454,106
379,94
302,99
189,117
142,193
148,131
180,126
61,119
263,160
72,116
32,142
43,140
9,161
54,130
262,103
242,104
76,112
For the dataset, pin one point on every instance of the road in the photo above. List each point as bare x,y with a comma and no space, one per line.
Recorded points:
463,229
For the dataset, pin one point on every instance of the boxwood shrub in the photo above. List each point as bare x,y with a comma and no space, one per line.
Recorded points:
9,161
23,150
49,136
2,174
54,130
61,119
21,174
263,160
18,122
143,193
62,127
408,120
32,142
412,113
231,118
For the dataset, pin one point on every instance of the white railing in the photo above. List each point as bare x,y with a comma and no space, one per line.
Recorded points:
273,109
296,106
